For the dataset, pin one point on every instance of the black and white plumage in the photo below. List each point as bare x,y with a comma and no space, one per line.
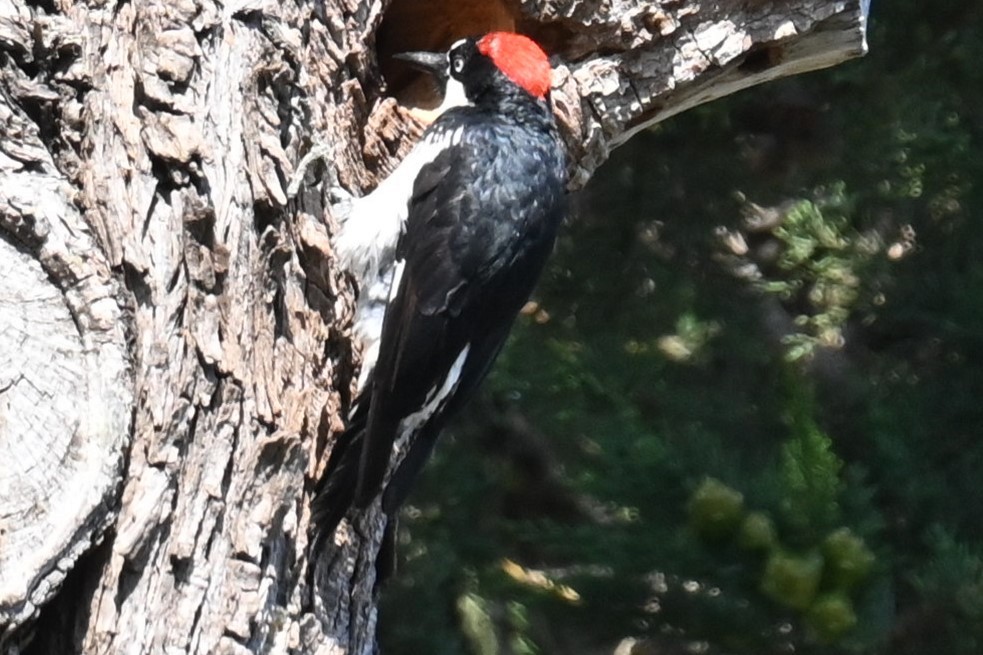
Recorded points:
445,251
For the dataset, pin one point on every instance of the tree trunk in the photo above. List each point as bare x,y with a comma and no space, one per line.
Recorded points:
175,353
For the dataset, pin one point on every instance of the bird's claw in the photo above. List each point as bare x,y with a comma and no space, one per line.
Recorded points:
320,151
339,197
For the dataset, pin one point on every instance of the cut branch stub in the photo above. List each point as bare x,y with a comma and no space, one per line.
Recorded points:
65,390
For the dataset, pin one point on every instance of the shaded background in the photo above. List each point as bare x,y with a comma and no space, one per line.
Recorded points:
743,413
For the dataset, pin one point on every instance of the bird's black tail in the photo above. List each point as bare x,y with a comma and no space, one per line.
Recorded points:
335,491
335,494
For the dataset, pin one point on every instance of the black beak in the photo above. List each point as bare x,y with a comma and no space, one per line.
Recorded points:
434,63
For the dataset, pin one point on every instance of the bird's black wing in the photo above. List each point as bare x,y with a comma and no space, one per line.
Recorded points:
469,257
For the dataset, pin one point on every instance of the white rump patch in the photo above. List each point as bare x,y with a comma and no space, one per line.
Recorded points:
366,243
367,240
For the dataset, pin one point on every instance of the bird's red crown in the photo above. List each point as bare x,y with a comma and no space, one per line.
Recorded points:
520,58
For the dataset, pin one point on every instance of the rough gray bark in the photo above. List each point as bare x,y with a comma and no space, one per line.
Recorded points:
175,351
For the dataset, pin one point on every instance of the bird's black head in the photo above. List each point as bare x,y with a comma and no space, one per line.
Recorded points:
498,61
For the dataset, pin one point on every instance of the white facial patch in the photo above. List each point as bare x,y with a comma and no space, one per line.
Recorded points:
454,96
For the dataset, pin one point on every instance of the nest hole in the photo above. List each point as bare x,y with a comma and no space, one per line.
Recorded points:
433,26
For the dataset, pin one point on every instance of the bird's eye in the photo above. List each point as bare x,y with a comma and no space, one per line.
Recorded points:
457,63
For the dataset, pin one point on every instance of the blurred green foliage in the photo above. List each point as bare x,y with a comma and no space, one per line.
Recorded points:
742,416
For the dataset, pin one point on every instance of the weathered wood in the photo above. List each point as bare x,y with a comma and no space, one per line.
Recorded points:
65,371
65,398
671,56
175,351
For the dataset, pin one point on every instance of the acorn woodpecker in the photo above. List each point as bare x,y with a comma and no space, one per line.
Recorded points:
445,252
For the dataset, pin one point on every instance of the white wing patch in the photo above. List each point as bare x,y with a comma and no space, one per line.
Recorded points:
437,396
436,399
397,278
